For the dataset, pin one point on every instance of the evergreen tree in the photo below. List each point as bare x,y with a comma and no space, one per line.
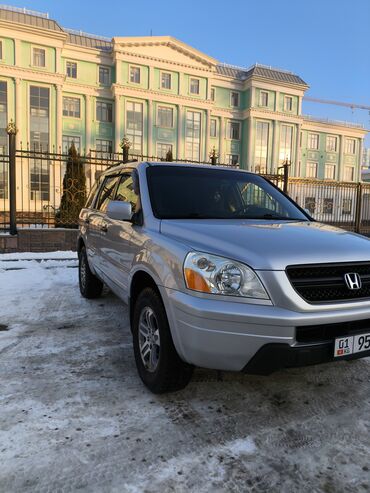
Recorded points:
74,190
169,156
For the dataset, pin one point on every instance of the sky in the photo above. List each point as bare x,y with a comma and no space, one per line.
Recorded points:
326,42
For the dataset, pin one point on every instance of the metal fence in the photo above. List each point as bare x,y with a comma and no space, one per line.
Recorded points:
47,189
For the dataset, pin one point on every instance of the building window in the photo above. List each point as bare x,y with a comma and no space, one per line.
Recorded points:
103,111
234,99
68,140
134,126
346,206
166,81
103,147
233,130
104,75
1,50
327,206
264,98
165,117
288,103
232,159
192,135
286,137
313,141
38,57
213,94
331,143
310,204
194,86
71,107
39,141
350,146
330,171
135,75
261,148
349,173
162,150
71,70
213,128
311,170
3,139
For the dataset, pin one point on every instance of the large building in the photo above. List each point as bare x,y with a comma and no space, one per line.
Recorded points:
61,86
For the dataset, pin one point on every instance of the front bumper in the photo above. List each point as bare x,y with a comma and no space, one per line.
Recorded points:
272,357
226,335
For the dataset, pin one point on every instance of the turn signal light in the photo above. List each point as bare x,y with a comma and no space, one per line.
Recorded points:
195,281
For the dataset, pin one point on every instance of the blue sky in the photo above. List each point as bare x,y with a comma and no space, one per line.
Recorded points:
326,42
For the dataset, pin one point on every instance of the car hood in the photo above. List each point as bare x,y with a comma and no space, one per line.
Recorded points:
270,245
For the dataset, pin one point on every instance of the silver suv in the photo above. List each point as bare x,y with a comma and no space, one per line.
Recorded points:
220,269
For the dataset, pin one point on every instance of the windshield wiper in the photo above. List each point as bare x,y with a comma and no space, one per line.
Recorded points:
277,216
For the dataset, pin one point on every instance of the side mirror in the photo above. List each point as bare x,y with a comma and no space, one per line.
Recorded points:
121,211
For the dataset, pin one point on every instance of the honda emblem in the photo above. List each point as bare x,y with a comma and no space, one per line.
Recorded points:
353,280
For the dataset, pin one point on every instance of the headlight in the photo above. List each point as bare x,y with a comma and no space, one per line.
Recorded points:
218,275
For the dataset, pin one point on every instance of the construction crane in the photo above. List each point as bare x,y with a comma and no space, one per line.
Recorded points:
337,103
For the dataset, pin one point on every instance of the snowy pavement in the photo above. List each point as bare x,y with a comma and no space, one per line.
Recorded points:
75,416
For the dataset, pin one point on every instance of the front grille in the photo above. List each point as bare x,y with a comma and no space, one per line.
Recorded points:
324,283
327,332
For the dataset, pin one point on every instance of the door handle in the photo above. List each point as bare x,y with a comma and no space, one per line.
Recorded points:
104,228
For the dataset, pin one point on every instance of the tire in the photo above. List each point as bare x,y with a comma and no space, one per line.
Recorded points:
90,285
158,364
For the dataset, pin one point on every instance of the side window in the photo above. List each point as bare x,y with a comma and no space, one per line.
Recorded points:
92,193
126,192
257,198
106,193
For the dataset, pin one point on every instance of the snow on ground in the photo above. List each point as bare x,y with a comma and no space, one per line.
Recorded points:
75,416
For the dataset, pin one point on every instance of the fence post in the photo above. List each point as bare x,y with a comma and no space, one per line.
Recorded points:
11,131
286,177
358,208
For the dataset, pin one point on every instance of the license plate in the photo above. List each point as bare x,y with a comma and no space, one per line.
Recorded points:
351,344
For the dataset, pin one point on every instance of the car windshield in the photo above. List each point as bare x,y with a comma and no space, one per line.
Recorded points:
205,193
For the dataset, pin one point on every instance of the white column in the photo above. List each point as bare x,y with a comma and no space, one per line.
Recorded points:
180,124
208,125
221,158
17,49
117,122
359,160
299,105
88,122
277,101
58,60
151,78
340,170
150,127
294,164
275,149
18,111
250,166
181,84
59,114
253,96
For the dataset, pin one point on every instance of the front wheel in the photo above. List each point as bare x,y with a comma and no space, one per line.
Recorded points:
157,361
90,285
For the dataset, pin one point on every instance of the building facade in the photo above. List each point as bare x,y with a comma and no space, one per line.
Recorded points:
61,87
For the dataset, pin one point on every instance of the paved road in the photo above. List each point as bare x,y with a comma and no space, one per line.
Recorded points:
74,415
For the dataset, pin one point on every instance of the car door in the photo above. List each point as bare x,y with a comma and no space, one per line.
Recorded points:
98,224
119,250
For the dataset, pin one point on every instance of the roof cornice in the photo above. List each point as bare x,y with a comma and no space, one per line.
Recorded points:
165,41
19,26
